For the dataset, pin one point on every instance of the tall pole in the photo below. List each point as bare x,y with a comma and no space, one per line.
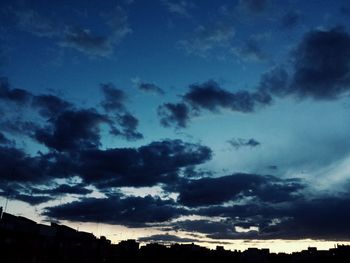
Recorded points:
8,192
7,200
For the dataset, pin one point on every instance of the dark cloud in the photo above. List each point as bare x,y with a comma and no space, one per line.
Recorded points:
174,114
148,165
21,173
17,166
192,172
31,199
277,190
22,191
321,65
129,125
27,198
239,142
36,192
113,98
275,81
50,105
321,218
130,211
223,229
324,218
72,130
320,68
210,96
31,178
249,217
18,126
150,87
128,121
291,19
47,105
67,126
18,96
4,140
244,215
78,189
167,238
211,191
114,102
73,138
204,226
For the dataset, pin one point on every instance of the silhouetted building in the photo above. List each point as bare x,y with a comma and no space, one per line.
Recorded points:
220,248
23,240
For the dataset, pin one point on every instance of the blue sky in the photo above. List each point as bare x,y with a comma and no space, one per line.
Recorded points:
181,119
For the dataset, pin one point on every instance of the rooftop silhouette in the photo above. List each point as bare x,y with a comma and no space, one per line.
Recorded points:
23,240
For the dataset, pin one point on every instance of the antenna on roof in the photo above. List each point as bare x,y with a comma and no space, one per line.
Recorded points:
7,200
8,194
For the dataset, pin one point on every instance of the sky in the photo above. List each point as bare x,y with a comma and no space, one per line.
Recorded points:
213,122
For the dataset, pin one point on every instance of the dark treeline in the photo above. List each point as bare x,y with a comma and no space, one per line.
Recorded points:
23,240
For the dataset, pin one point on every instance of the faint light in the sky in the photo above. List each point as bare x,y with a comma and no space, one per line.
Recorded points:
245,230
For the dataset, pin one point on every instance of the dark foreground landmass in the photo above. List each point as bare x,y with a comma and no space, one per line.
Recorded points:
23,240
